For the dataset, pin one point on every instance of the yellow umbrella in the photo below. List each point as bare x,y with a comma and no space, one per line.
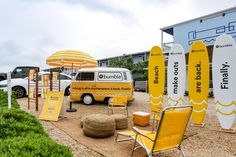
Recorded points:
71,59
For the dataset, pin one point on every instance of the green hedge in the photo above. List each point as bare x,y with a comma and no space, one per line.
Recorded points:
15,123
4,101
32,145
21,135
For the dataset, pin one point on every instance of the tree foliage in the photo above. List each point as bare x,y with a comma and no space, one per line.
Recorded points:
127,62
122,62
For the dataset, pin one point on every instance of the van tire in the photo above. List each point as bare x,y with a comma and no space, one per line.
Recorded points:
87,99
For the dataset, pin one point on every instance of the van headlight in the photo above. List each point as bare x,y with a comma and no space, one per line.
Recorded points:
3,85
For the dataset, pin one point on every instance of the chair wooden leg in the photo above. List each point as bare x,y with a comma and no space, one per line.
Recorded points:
153,121
153,125
110,111
150,155
179,147
117,137
134,145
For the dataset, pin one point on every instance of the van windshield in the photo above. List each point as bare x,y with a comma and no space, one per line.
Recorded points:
125,76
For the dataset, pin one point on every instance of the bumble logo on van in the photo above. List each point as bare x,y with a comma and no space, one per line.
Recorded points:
101,84
114,76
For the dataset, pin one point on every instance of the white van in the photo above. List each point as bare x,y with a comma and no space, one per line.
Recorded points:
100,84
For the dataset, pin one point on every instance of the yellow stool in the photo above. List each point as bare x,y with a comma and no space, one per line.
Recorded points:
141,118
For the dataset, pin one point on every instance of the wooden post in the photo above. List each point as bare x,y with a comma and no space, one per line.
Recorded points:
59,80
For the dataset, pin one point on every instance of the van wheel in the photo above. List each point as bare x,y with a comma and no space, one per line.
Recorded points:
87,99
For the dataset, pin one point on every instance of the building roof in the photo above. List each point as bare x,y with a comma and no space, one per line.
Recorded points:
169,29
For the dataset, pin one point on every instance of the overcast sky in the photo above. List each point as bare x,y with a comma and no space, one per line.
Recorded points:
31,30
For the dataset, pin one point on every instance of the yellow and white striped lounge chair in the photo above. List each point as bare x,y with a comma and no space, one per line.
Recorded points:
118,102
169,133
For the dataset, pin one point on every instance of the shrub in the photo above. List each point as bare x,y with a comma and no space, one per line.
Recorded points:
4,101
15,122
21,135
32,145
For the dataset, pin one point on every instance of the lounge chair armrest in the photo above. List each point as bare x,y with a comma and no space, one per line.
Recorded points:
138,131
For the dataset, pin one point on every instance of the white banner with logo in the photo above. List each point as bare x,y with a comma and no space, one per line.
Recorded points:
110,76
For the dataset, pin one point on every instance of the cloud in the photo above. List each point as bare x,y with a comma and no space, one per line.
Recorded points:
14,55
33,30
101,5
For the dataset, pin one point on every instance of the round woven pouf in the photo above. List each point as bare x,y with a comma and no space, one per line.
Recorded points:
81,121
98,125
121,121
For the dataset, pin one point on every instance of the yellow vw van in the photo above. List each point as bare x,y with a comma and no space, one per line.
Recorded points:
99,84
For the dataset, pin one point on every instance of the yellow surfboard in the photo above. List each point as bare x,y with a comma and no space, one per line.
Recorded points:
198,80
156,78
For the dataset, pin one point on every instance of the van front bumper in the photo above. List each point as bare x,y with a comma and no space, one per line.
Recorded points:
131,101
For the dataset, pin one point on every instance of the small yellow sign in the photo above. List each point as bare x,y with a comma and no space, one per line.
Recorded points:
31,74
32,93
54,77
52,106
45,80
44,92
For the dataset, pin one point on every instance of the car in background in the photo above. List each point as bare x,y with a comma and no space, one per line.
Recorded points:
20,85
18,72
141,86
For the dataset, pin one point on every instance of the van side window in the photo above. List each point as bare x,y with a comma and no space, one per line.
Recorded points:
125,76
85,76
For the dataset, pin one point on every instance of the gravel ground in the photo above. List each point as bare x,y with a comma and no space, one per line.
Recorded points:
58,135
61,137
200,142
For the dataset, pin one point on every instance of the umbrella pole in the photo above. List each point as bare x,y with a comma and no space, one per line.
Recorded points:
59,80
72,69
71,109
